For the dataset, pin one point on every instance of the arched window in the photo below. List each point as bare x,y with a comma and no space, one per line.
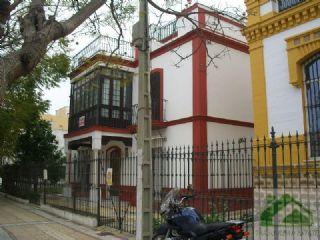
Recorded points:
312,88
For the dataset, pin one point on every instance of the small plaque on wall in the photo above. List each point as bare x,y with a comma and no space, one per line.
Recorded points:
109,177
82,120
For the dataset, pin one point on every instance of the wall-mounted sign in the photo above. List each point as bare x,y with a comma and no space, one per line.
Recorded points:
109,177
82,120
45,174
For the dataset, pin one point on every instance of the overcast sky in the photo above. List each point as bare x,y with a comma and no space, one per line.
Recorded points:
59,97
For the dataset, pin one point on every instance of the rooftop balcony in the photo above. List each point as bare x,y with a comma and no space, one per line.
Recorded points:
286,4
163,32
104,45
109,46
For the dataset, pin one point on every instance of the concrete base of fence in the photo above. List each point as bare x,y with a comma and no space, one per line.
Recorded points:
80,219
93,194
67,191
19,200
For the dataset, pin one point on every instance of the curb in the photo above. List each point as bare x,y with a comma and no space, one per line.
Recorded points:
16,199
77,218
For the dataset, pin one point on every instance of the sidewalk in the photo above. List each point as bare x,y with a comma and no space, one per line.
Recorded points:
27,222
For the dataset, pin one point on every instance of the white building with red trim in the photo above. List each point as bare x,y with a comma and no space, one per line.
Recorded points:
194,102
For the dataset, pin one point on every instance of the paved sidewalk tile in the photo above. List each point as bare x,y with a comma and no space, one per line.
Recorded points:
25,222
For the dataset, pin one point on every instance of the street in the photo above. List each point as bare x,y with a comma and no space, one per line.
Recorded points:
24,222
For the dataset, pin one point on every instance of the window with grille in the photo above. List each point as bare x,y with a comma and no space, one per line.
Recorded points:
312,90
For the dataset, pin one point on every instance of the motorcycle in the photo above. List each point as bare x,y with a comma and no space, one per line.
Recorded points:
186,223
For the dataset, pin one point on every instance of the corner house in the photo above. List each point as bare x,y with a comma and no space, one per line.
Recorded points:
192,104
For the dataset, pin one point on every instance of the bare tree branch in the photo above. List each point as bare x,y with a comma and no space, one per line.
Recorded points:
15,4
78,18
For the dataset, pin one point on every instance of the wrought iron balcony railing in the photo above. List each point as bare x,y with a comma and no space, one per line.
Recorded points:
161,33
104,45
286,4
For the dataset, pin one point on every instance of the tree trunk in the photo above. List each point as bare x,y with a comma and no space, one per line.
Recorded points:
38,32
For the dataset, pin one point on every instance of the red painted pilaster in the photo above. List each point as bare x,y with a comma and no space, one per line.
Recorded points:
200,164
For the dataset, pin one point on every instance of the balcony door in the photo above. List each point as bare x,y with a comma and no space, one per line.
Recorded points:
156,94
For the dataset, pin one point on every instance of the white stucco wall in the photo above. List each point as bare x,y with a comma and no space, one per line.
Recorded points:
229,85
177,135
268,7
224,132
177,82
60,138
284,101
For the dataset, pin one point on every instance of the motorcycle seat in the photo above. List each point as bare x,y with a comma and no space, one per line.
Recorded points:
202,228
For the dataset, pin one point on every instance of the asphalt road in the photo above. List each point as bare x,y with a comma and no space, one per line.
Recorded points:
25,222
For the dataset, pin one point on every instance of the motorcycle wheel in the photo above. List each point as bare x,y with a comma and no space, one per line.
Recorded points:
159,237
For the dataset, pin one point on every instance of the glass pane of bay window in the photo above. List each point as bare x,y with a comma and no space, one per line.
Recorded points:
116,93
105,112
95,90
85,96
115,114
77,100
127,94
106,91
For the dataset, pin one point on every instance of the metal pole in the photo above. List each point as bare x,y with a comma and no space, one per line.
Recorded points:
45,177
274,146
44,192
144,180
98,189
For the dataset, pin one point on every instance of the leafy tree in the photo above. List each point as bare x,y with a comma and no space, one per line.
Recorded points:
24,100
36,150
26,138
31,28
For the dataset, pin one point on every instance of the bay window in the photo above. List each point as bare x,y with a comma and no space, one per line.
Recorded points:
103,97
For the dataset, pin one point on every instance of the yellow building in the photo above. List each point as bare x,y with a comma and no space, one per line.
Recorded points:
59,124
284,42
